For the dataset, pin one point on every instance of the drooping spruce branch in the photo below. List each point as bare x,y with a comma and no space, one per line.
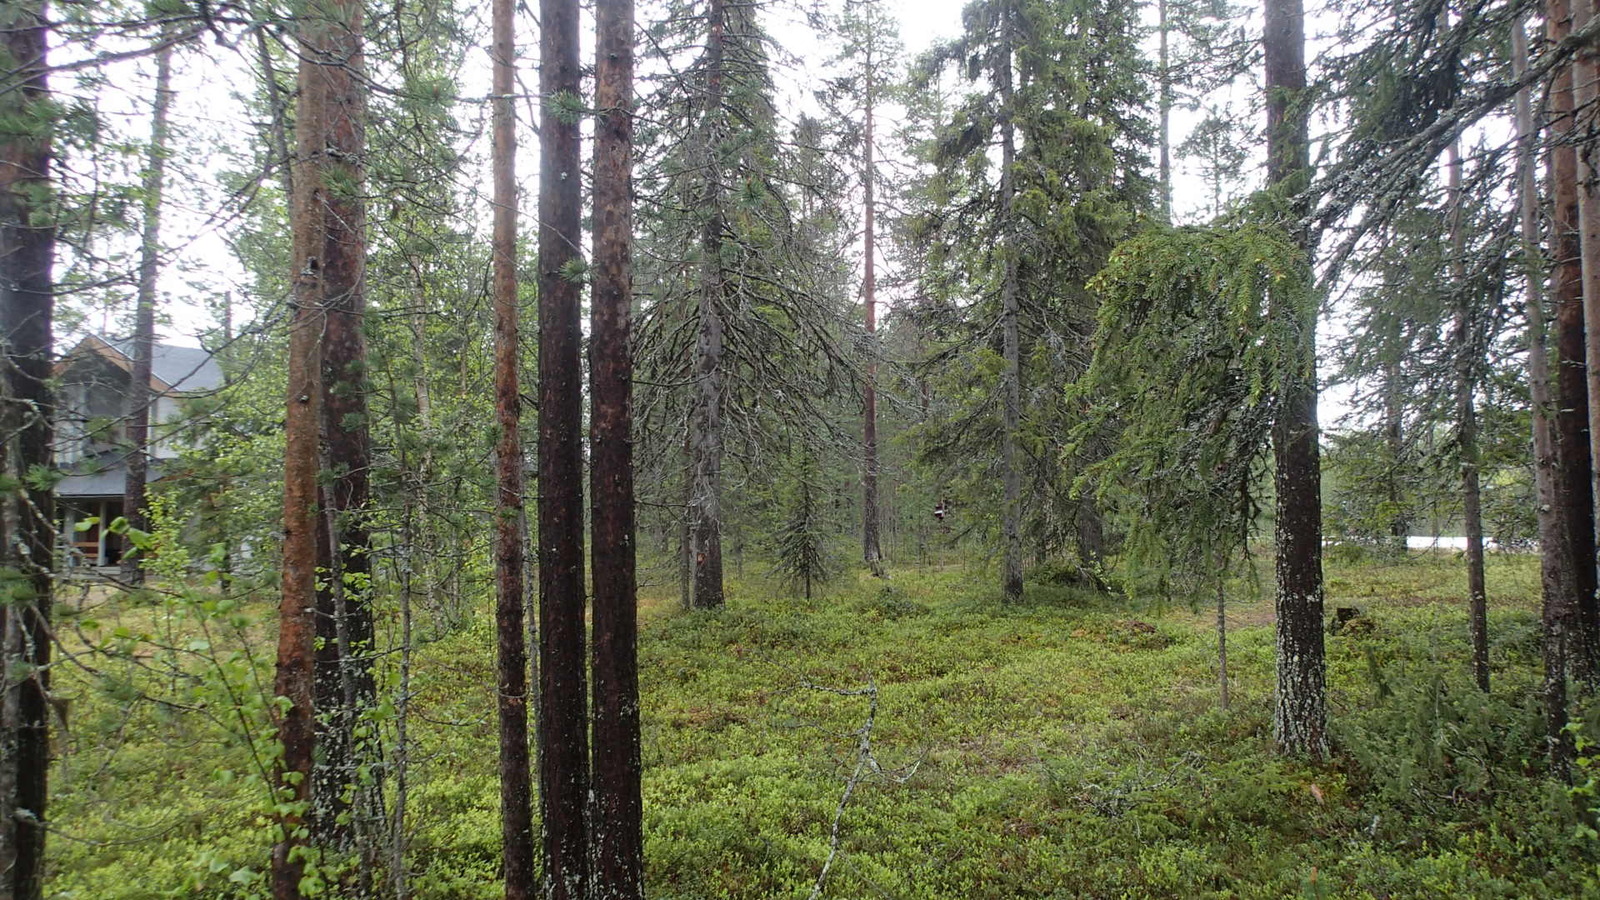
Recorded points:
1189,361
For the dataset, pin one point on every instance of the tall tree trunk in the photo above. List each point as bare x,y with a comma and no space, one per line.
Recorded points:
1011,374
1573,488
1468,361
140,395
871,548
27,526
563,695
1586,69
516,780
705,424
344,684
319,38
1555,556
1300,720
618,806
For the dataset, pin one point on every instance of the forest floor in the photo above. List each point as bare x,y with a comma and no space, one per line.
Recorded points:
1067,747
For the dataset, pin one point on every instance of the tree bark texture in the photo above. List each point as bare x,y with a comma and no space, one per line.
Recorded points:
685,540
344,684
705,421
27,527
1586,91
1010,312
618,826
871,543
1468,362
1300,720
140,396
1573,484
511,645
563,695
1558,606
1394,437
318,40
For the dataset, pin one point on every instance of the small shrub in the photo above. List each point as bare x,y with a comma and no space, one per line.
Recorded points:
890,604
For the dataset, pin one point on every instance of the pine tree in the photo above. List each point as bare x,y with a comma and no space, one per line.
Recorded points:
344,679
27,529
516,788
1574,485
563,693
870,42
144,327
618,827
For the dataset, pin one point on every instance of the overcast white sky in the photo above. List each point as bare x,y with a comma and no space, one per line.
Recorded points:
210,117
210,114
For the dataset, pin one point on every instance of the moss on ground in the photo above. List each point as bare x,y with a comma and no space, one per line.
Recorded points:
1068,747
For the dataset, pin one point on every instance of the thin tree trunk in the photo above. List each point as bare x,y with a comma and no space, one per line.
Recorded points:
399,877
1011,375
563,694
618,824
511,646
872,551
685,548
27,527
1467,363
278,131
140,395
1222,634
1300,720
1558,605
705,425
1573,488
1394,439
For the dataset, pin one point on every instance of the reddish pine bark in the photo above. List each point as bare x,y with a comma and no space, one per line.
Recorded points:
516,783
344,683
324,265
563,713
618,829
1574,500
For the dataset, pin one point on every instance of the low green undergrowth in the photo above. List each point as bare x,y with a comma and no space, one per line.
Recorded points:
1067,747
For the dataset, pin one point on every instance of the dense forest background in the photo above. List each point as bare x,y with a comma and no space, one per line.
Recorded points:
705,449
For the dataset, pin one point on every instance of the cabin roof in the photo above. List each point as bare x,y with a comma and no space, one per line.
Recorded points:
173,369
